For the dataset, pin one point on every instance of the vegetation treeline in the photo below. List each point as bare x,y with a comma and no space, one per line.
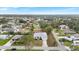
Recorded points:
73,23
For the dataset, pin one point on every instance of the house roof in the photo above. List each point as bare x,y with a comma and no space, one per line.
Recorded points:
4,36
43,35
69,31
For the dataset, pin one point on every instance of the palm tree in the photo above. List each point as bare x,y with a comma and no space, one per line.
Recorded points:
28,41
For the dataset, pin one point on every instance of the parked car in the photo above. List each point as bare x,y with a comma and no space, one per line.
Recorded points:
13,49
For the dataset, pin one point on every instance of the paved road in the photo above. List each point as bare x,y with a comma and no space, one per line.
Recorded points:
38,48
9,43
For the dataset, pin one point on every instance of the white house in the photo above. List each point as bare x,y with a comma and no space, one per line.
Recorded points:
76,42
68,38
62,27
5,36
43,36
72,37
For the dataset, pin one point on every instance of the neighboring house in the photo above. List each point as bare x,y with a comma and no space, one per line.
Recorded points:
10,30
72,37
68,38
68,31
76,35
5,36
75,38
63,27
11,22
76,42
16,28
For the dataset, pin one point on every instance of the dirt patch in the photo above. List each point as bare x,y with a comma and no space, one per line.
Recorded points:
51,40
38,43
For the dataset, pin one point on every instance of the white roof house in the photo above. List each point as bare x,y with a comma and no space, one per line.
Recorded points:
76,39
76,43
73,37
76,35
68,31
42,35
62,27
67,38
5,36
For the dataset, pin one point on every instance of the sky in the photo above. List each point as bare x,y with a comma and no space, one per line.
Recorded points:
39,10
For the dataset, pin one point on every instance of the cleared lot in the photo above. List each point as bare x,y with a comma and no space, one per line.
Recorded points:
51,40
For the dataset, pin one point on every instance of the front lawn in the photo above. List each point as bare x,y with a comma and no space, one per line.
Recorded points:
76,48
2,42
66,42
69,44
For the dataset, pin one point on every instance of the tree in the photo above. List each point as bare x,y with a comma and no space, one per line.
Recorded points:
48,29
32,27
3,20
28,41
22,21
73,24
43,24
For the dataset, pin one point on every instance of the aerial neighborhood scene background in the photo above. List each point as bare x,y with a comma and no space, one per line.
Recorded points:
39,29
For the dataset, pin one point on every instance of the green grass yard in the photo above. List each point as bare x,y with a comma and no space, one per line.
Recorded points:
76,48
67,43
2,42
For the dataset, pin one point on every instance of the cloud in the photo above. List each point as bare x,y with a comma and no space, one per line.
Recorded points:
3,9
